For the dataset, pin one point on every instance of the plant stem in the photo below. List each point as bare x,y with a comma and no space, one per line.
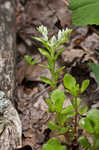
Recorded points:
53,72
76,117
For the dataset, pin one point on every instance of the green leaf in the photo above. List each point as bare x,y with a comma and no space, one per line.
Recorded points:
75,90
83,110
29,60
60,69
69,110
61,119
69,81
50,105
85,12
53,126
62,130
53,144
97,143
58,98
44,52
46,80
43,41
95,69
44,66
84,142
59,53
84,86
93,116
86,124
91,122
79,101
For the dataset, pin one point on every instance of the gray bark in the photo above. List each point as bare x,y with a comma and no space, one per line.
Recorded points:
7,46
10,124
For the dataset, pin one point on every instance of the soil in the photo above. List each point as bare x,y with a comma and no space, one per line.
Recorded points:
82,47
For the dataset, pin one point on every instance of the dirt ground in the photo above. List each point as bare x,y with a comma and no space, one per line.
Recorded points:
82,47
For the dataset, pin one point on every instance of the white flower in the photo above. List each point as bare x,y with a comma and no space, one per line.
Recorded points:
53,41
59,35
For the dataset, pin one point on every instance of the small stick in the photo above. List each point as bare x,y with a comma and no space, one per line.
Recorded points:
65,1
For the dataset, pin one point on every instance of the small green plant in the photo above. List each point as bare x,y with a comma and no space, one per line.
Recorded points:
66,119
50,52
63,115
91,125
75,90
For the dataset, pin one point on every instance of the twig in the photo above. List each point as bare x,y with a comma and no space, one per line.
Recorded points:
65,1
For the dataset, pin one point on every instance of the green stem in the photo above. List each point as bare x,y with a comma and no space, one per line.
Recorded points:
53,73
76,118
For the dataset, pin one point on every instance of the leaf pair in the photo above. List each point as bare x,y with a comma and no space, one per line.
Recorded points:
72,87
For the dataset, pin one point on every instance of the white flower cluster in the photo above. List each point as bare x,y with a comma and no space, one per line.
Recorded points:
62,33
43,30
61,37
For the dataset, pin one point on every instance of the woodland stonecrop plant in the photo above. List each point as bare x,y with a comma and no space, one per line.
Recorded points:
51,51
66,119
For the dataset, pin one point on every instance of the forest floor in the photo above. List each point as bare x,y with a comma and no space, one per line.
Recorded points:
82,47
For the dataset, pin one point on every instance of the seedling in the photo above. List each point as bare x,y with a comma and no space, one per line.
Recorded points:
63,119
51,45
91,125
63,115
75,90
66,119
